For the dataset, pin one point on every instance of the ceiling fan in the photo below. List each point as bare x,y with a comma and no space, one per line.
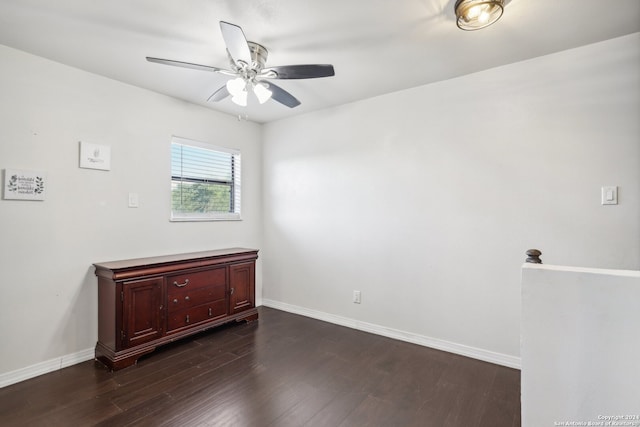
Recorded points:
248,61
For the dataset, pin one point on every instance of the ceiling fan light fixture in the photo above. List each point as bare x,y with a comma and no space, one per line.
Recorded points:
476,14
262,92
240,98
238,89
236,86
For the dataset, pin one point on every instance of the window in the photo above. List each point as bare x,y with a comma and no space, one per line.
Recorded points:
205,181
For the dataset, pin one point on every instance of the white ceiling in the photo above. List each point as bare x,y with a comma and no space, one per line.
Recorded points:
376,46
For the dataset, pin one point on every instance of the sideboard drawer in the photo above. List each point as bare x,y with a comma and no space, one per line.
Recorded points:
186,298
198,314
179,283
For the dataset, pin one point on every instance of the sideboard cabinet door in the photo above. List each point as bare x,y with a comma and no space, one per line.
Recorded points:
242,287
142,311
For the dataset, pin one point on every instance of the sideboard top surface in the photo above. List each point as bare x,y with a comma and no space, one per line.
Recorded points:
158,261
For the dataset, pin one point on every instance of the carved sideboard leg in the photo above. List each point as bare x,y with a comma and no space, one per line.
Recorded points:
115,361
250,318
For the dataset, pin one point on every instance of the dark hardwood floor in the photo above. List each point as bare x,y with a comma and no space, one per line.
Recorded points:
283,370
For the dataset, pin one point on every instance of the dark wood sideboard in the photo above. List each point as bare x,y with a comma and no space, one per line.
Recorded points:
146,302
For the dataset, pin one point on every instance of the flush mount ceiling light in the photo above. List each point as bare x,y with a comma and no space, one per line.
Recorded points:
476,14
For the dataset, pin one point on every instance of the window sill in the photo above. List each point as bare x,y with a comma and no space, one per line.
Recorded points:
205,218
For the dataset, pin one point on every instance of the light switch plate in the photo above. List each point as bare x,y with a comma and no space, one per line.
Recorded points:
609,195
134,200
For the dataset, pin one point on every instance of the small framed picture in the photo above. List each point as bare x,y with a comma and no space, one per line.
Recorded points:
94,156
24,185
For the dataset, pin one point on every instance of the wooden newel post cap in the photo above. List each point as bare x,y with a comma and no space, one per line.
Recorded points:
533,256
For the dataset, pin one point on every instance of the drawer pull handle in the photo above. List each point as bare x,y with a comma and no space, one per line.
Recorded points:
181,285
187,318
231,292
209,311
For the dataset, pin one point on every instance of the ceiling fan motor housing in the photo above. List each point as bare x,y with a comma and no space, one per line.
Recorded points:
259,55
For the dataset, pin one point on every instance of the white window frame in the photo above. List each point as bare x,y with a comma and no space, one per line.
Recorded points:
235,215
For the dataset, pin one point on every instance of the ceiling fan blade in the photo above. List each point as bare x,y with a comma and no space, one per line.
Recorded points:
188,65
311,71
282,96
236,42
219,94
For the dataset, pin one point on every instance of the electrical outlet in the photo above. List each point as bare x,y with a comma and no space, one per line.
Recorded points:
356,297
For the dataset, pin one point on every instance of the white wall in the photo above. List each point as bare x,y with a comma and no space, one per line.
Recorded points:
426,199
579,346
48,307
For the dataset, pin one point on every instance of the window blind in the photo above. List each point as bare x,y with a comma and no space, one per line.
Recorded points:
205,181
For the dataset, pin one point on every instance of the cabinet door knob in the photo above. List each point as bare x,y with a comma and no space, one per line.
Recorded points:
187,298
187,319
209,311
231,291
175,301
181,285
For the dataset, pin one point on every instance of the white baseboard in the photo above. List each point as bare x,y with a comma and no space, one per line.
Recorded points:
451,347
45,367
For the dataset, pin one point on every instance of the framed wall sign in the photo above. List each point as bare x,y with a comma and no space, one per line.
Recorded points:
94,156
24,185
